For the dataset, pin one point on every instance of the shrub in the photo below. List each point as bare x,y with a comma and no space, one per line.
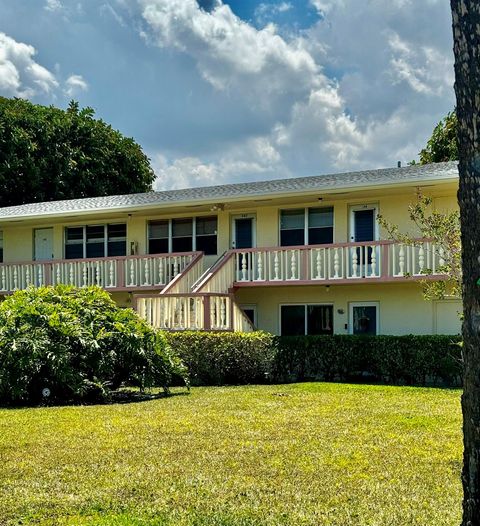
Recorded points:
235,358
410,359
79,345
214,358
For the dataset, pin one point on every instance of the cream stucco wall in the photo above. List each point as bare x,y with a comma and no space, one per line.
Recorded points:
18,239
402,309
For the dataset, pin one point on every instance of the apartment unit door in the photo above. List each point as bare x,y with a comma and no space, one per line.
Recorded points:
43,244
364,228
243,231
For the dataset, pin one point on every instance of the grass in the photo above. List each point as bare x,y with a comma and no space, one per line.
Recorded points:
303,454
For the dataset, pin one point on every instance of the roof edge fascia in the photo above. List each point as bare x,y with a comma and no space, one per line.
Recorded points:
228,199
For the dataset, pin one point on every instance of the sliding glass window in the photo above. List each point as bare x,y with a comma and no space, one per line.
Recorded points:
183,235
95,241
306,226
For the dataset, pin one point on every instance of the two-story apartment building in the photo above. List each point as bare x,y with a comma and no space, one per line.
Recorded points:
294,256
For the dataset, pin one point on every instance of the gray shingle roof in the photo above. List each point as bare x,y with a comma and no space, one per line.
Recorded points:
213,194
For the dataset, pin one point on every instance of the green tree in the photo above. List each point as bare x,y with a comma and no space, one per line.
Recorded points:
442,145
47,154
466,39
443,229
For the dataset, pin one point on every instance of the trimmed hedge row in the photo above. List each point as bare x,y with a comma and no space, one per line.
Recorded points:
214,358
235,358
411,359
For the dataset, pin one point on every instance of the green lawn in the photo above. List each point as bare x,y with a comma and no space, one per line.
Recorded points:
303,454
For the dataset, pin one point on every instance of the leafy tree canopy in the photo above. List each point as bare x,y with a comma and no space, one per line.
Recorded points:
442,145
47,154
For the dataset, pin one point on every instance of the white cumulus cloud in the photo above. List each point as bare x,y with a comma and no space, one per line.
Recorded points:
361,88
75,84
53,5
20,74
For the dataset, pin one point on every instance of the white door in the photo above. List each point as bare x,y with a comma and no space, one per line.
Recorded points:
43,244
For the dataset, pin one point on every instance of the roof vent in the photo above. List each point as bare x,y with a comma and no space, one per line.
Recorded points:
399,164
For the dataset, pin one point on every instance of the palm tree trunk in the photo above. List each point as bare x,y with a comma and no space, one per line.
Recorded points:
466,34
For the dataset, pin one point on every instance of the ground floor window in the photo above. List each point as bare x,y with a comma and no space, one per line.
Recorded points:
364,318
251,313
298,320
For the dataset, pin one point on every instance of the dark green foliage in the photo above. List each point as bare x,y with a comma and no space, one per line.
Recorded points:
225,358
78,344
442,145
235,358
418,360
47,154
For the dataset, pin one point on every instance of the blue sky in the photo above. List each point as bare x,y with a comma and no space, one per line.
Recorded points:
241,90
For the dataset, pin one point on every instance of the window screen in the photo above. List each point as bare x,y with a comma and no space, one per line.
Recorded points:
117,240
320,226
206,235
74,243
95,241
182,235
158,237
292,227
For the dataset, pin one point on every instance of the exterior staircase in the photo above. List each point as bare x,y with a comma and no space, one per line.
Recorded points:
196,300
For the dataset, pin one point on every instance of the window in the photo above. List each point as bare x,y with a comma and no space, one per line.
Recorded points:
298,320
1,246
158,237
250,312
206,234
183,235
364,318
320,226
292,227
95,241
74,242
310,226
117,239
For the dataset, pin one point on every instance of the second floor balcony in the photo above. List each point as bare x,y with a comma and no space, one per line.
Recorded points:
341,263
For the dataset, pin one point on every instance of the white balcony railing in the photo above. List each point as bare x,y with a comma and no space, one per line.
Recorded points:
119,273
216,312
381,260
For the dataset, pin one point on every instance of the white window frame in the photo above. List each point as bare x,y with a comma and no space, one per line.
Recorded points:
305,222
170,231
305,305
353,304
84,240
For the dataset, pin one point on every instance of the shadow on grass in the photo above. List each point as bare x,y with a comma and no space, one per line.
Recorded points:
127,396
121,396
